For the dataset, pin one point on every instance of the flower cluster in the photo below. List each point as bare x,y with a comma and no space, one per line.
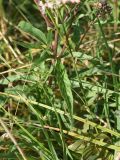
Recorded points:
104,9
52,4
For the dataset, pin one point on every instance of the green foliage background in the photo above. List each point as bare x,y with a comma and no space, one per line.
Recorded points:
59,97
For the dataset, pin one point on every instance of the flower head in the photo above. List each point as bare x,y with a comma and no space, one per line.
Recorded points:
52,4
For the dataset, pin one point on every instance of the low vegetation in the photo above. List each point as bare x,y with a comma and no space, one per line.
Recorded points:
59,80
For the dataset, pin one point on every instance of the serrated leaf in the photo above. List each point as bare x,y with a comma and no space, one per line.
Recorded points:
37,33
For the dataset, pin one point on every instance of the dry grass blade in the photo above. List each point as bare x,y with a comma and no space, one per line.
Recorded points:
12,139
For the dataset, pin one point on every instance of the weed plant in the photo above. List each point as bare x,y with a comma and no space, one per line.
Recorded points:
59,80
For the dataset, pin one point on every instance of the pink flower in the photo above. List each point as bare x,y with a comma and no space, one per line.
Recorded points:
52,4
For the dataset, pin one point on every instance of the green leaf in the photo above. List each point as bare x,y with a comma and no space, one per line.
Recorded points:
49,37
7,80
78,146
83,56
7,155
45,55
93,87
29,45
65,86
27,27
